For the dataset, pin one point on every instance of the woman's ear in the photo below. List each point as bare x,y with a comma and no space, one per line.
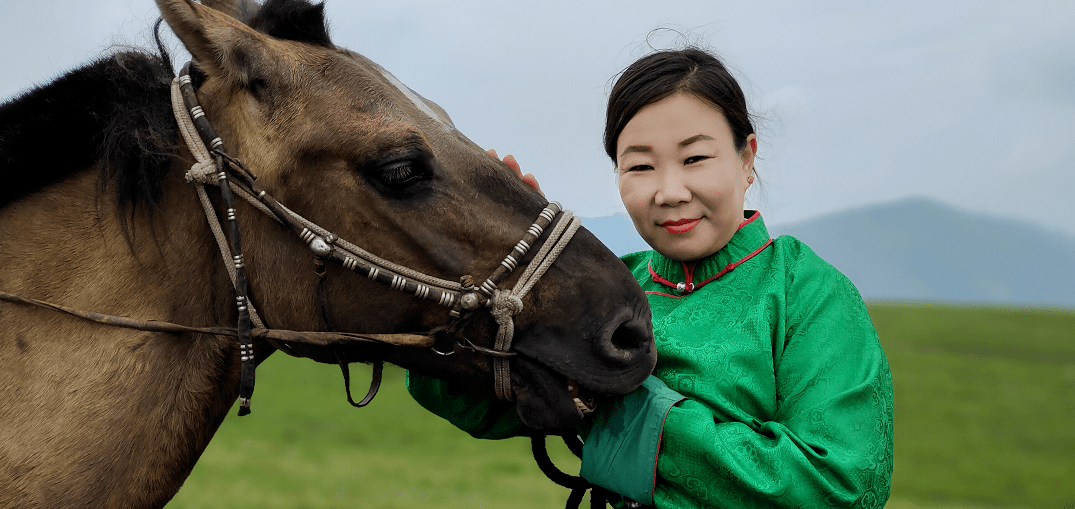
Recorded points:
749,152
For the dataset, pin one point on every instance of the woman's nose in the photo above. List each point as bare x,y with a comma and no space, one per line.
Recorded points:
671,189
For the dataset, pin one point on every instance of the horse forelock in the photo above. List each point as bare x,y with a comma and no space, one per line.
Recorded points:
113,112
293,20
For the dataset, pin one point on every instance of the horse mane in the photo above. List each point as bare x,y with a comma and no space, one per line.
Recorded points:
116,112
113,111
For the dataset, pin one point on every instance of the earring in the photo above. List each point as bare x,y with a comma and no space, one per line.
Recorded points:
750,179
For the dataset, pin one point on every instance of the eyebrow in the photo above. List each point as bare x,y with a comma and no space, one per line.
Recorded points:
695,138
684,143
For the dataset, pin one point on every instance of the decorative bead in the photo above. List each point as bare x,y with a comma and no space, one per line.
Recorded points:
320,247
471,301
685,287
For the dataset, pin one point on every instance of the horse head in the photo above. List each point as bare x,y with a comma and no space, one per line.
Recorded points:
343,143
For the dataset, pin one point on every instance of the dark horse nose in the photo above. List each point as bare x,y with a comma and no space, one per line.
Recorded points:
630,341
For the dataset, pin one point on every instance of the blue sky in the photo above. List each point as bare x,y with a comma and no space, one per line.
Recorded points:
969,103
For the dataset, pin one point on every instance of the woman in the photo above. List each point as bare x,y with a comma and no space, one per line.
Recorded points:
771,388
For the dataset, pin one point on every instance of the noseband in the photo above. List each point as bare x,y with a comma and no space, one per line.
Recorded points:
214,166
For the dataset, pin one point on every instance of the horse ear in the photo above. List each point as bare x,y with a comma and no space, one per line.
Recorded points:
222,45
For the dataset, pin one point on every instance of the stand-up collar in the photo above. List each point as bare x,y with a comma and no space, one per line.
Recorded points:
750,239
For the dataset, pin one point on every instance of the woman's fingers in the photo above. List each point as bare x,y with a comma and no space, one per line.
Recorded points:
529,179
513,164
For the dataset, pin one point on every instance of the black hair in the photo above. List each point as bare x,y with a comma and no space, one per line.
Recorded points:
293,20
114,111
664,73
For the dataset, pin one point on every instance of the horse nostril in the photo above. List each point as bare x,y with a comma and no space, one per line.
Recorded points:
629,341
627,337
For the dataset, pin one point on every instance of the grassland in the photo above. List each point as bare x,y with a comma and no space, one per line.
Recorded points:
985,404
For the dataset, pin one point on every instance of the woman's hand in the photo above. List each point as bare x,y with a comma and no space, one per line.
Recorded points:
529,178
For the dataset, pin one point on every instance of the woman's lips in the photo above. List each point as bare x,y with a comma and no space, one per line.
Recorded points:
681,225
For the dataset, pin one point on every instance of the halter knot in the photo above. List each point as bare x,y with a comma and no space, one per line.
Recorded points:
505,303
202,172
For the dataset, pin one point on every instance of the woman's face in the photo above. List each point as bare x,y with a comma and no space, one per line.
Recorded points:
681,178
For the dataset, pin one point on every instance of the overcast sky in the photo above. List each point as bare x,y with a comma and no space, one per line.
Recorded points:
971,103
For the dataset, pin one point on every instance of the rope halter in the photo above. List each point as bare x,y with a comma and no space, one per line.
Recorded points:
214,166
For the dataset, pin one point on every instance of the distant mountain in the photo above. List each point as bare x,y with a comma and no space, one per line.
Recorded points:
617,232
921,250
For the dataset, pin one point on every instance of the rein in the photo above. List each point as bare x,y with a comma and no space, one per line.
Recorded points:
306,337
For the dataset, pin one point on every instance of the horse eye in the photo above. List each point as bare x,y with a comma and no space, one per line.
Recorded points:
399,174
404,173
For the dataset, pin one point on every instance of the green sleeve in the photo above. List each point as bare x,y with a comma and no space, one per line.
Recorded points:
829,443
480,416
620,448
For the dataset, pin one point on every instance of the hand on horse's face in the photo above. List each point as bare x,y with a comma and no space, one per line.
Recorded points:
529,178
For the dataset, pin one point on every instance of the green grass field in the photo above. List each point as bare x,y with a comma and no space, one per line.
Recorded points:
984,410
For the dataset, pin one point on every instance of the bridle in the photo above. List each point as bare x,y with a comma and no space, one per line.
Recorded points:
462,298
215,167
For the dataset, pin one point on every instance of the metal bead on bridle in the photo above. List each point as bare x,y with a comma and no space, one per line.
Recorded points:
470,301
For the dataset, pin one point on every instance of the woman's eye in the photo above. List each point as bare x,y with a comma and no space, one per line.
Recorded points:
695,159
639,167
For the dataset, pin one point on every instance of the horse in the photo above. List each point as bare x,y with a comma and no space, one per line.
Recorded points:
98,216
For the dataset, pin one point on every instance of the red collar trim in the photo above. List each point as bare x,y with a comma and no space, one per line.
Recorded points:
757,214
689,286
